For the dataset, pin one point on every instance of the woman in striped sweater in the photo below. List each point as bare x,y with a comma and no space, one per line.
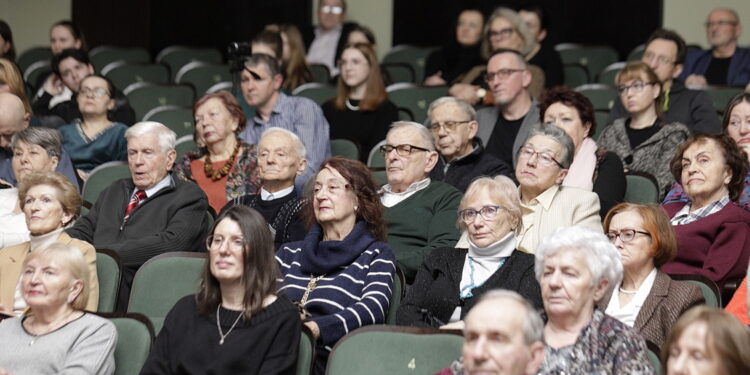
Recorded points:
341,274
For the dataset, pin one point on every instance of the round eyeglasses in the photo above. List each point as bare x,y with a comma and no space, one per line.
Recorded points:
487,213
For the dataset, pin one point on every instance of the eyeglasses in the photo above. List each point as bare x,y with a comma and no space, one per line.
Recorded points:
402,150
502,33
637,87
448,126
720,23
625,235
235,243
503,74
335,9
97,92
662,60
544,157
487,213
332,187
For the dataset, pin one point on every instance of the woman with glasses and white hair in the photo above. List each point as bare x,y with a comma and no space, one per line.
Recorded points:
450,280
576,267
543,163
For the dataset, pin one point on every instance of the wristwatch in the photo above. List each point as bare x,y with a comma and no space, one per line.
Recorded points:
481,93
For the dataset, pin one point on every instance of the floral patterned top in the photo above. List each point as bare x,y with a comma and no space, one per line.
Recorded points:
605,346
677,194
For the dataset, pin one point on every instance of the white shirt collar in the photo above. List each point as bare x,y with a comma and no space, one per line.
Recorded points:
268,196
166,181
389,198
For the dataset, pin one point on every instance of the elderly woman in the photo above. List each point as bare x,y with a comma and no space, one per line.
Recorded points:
646,299
461,54
450,281
50,202
707,341
643,140
593,168
713,233
56,336
361,111
543,163
341,274
35,149
236,305
95,139
736,124
576,268
227,167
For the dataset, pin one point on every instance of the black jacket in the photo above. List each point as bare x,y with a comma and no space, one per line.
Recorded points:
463,171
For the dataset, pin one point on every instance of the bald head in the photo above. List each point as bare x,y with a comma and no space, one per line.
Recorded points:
12,117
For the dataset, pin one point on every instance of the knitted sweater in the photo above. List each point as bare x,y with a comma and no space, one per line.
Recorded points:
423,222
462,171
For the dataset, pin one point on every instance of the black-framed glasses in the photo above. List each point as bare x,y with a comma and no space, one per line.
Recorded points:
502,33
402,150
625,235
544,157
487,213
637,87
448,126
503,74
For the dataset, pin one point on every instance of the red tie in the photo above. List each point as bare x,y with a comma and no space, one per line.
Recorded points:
137,198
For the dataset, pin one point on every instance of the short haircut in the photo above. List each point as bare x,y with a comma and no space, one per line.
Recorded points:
230,104
67,194
167,138
463,106
48,139
560,136
271,64
518,24
533,325
299,147
734,156
540,13
656,223
671,36
569,98
71,259
375,93
70,53
272,39
502,191
633,71
7,34
737,99
602,258
424,133
519,57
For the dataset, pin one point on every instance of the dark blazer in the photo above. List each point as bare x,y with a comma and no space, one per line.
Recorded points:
475,164
435,292
665,303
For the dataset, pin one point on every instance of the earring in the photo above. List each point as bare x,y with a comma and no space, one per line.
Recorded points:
355,208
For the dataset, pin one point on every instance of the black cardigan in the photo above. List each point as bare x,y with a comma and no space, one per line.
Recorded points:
464,170
436,287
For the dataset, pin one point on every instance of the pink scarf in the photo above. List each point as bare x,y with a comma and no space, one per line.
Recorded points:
580,173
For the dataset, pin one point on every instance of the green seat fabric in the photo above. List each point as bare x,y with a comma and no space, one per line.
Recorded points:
103,55
721,95
601,117
175,57
35,72
109,274
345,148
641,189
320,73
306,353
398,72
416,57
708,287
602,96
185,144
203,75
134,340
637,53
396,296
124,74
103,176
162,281
653,356
144,96
594,58
32,55
415,98
378,349
317,92
575,75
607,76
179,119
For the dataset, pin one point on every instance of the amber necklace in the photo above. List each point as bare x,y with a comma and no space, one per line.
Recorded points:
223,171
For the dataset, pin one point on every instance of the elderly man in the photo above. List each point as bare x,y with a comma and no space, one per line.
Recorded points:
326,42
462,156
421,213
281,158
13,119
725,63
504,127
150,213
261,84
665,54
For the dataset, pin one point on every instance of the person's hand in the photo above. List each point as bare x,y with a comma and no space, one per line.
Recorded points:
465,91
313,328
53,85
83,175
435,80
455,325
695,81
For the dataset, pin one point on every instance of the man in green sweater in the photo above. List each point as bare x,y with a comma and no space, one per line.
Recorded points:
421,214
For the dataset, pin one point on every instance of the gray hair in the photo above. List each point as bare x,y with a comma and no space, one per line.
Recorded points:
515,19
462,105
502,191
533,326
602,258
299,147
272,66
559,135
422,130
167,138
48,139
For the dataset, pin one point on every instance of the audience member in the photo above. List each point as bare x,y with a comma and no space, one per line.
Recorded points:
218,121
643,140
95,139
57,335
707,341
453,62
462,156
646,299
713,233
542,54
410,155
281,158
736,124
326,41
50,203
725,63
362,34
665,53
361,111
593,168
7,46
11,81
543,163
270,43
237,297
505,127
451,281
148,214
295,67
576,268
341,275
738,305
261,84
62,35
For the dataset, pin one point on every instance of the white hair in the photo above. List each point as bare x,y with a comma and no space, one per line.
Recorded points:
167,138
424,133
602,258
462,105
299,147
533,326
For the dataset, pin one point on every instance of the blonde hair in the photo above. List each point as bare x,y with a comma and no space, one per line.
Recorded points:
502,191
70,259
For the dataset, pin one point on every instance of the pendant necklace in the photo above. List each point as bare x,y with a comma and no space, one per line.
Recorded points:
222,335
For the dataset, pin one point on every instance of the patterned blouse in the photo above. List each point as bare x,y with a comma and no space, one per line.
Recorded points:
605,346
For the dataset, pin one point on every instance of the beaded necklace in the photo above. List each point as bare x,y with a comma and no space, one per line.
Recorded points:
223,171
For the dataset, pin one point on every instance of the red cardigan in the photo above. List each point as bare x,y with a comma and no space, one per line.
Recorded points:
717,246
